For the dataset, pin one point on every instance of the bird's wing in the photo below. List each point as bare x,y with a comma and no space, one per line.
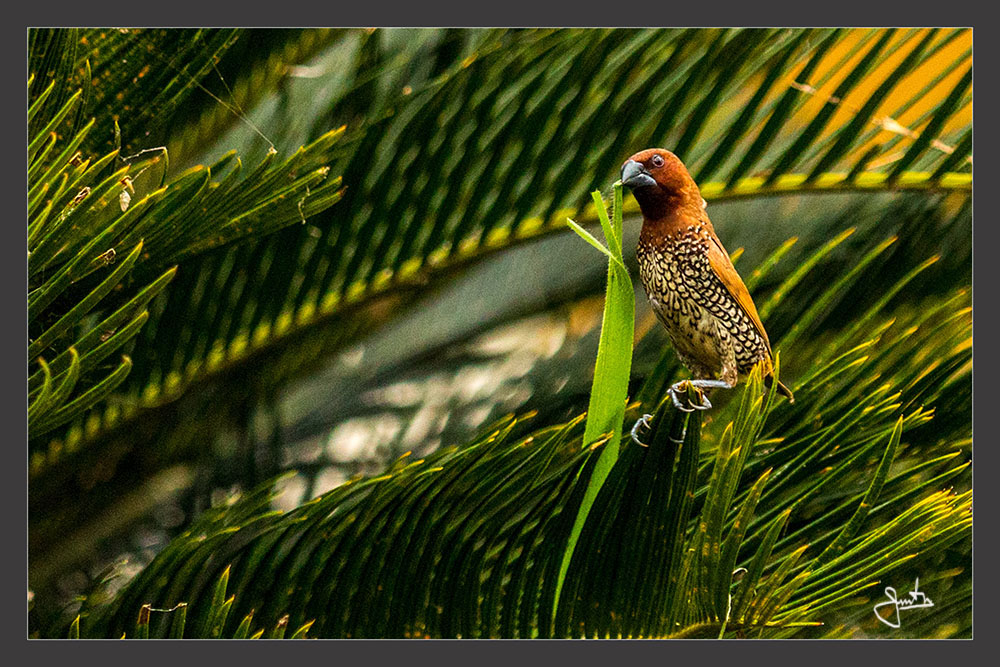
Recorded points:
724,270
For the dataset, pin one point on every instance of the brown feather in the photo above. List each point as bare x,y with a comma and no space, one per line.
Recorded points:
723,267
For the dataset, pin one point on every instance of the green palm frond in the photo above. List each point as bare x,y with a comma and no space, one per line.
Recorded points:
139,77
213,620
165,306
468,541
82,217
154,81
413,210
258,63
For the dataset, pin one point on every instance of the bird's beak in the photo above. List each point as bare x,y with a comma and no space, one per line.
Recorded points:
634,175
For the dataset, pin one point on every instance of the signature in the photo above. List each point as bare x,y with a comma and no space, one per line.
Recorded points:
917,600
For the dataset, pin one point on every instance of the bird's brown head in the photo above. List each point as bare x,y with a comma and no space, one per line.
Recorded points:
660,182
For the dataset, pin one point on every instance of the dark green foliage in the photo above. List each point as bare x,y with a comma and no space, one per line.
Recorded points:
170,306
172,623
468,541
140,77
88,220
411,204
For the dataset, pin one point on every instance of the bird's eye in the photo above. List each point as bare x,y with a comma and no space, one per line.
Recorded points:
657,161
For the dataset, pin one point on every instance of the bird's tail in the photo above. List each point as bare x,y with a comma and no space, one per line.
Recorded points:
782,389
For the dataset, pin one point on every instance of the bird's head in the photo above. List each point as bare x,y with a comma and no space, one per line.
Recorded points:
660,182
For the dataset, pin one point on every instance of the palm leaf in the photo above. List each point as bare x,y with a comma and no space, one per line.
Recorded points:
467,542
76,233
318,275
486,146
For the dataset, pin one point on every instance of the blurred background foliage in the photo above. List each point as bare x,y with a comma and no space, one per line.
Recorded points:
373,261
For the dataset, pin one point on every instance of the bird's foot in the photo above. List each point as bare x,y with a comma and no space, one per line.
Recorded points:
641,421
679,390
710,384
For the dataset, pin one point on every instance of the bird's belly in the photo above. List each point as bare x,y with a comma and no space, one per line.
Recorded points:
692,330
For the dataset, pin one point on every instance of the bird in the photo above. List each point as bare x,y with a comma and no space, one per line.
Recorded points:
691,283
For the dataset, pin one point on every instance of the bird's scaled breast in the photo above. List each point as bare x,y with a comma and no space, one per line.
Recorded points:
666,270
669,266
691,301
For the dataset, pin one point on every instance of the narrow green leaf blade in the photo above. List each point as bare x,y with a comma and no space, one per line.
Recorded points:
608,393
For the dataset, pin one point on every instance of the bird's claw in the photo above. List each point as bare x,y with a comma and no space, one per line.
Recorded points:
678,389
641,421
677,401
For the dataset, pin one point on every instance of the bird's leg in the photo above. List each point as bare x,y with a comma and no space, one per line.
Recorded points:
708,384
678,389
675,392
641,421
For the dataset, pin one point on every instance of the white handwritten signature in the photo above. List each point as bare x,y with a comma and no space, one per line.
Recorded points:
916,600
